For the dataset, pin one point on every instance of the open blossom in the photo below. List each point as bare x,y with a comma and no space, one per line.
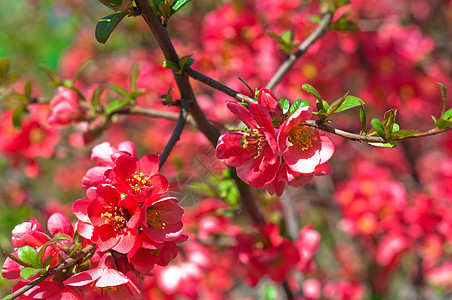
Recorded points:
108,220
253,152
139,177
302,147
64,108
105,280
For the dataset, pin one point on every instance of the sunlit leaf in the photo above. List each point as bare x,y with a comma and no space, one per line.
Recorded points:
285,104
311,90
29,255
443,124
179,4
403,133
297,104
116,104
26,272
363,118
378,127
448,114
170,65
106,25
120,90
444,94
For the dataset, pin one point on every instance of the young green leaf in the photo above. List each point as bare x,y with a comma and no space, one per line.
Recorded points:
170,65
116,104
18,113
311,90
4,68
120,90
448,114
95,98
57,238
385,145
80,70
443,124
389,121
29,255
56,80
26,273
348,103
27,89
403,133
185,62
444,94
285,104
179,4
134,77
363,118
247,85
297,104
106,25
337,104
379,127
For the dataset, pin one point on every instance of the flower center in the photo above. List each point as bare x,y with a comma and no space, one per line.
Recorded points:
36,136
156,218
116,217
303,136
255,142
137,181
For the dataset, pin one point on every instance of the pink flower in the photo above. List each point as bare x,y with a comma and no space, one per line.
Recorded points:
302,147
106,279
139,177
108,220
254,152
162,220
65,108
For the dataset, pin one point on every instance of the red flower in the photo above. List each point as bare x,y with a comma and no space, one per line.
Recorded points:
65,108
108,220
268,100
106,279
302,147
162,220
139,177
254,152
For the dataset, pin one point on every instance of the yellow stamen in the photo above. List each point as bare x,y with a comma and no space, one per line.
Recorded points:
155,218
255,142
303,136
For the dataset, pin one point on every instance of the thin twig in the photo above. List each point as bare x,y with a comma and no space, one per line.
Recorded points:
152,113
218,86
65,264
176,133
292,58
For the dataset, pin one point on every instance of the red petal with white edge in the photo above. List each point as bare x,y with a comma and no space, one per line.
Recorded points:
149,164
85,230
327,148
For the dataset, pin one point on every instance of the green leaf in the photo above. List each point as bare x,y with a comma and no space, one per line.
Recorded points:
385,145
276,37
389,121
316,19
113,4
56,80
185,62
4,68
10,296
165,11
363,118
443,124
106,25
168,97
47,262
403,133
348,103
26,273
285,104
134,77
379,127
116,104
336,104
247,85
80,70
95,98
297,104
120,90
311,90
448,114
170,65
271,293
340,3
444,94
18,113
179,4
29,255
27,89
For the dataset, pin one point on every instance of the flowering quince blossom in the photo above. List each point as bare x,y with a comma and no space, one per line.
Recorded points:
253,152
64,108
302,147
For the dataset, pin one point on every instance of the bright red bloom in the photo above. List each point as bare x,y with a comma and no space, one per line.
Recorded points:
106,279
108,220
254,152
268,100
139,177
302,147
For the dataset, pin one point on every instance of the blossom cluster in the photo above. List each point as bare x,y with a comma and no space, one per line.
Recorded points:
125,215
275,149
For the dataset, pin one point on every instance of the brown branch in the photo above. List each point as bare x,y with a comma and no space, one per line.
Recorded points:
292,58
152,113
65,264
161,35
218,86
176,133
